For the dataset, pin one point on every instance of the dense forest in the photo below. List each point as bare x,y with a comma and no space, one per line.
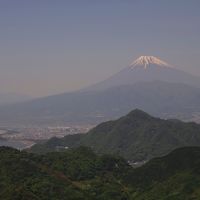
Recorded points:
79,173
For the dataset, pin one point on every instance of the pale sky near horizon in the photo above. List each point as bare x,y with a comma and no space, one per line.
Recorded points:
48,47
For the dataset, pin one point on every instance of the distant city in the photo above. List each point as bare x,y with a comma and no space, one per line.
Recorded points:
26,137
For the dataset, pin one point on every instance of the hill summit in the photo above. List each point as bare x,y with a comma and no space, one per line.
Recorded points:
136,136
138,114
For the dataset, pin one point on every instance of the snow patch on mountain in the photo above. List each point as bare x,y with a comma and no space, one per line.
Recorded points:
146,61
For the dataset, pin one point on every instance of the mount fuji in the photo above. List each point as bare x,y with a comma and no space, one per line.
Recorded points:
146,69
148,83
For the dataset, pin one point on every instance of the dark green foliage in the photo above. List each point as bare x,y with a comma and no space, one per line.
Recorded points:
65,175
71,141
136,137
80,174
175,176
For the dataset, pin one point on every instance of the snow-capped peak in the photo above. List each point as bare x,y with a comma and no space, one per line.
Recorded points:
145,61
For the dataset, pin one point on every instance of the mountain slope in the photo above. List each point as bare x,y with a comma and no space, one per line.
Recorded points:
136,137
72,175
158,98
173,177
148,83
81,174
145,69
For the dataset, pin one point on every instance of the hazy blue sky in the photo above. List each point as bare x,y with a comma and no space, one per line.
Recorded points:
52,46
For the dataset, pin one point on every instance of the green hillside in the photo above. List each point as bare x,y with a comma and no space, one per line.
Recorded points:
136,137
72,175
173,177
80,174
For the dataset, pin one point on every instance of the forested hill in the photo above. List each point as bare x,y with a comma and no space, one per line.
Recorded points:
81,174
136,137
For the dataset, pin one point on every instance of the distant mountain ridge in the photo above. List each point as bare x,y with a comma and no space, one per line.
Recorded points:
136,137
167,100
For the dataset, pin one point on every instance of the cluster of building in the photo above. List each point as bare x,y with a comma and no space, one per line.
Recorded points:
31,135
